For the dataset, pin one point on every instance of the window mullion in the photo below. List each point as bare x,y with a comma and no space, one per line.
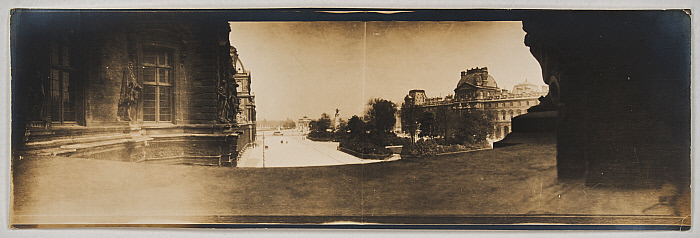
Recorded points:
158,84
60,98
157,102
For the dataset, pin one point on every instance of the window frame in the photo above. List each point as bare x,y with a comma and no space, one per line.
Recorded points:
62,65
173,68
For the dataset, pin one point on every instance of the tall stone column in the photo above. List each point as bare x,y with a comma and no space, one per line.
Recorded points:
620,84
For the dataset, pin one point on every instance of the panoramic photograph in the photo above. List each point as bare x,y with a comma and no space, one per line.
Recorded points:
340,118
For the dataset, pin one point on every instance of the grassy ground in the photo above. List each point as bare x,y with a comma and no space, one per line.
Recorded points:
513,181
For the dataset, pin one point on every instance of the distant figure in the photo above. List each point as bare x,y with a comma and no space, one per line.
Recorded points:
282,142
286,142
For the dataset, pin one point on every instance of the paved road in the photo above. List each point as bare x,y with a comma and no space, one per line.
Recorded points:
292,150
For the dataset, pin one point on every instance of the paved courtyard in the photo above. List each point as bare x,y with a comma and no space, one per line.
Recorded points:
291,149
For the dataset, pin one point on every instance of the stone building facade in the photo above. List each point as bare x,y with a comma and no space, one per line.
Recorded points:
247,115
134,87
477,90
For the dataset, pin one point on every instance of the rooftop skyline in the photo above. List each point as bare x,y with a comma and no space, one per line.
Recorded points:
308,68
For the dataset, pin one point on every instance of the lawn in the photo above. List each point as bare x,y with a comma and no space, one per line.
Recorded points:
512,181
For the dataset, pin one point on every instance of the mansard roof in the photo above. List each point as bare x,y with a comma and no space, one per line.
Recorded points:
478,77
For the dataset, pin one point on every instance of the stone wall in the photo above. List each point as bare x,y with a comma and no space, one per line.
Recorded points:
115,44
103,44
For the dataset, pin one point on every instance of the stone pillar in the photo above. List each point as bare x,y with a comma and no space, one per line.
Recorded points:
620,84
230,149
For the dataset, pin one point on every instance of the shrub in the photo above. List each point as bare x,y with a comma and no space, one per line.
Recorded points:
420,148
320,135
364,147
392,139
452,148
432,147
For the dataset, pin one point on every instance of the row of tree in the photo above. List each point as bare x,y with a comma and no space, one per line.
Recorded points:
286,124
467,127
321,129
289,124
368,134
372,132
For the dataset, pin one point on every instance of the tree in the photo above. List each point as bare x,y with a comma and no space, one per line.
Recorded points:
380,116
319,128
445,120
427,125
289,124
409,120
322,124
355,126
475,126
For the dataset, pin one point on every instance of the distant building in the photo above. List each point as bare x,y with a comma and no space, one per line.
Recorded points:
246,117
303,124
477,90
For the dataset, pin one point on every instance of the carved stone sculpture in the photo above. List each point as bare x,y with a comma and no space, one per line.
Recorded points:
37,97
222,103
130,92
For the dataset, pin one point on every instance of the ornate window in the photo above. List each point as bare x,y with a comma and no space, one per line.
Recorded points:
62,86
240,87
157,78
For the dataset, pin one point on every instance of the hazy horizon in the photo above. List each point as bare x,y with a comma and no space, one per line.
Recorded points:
308,68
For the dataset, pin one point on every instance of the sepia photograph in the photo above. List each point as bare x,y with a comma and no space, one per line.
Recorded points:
351,118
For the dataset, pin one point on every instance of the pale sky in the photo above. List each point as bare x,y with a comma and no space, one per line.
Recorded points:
308,68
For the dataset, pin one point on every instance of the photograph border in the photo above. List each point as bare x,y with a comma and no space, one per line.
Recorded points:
440,227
